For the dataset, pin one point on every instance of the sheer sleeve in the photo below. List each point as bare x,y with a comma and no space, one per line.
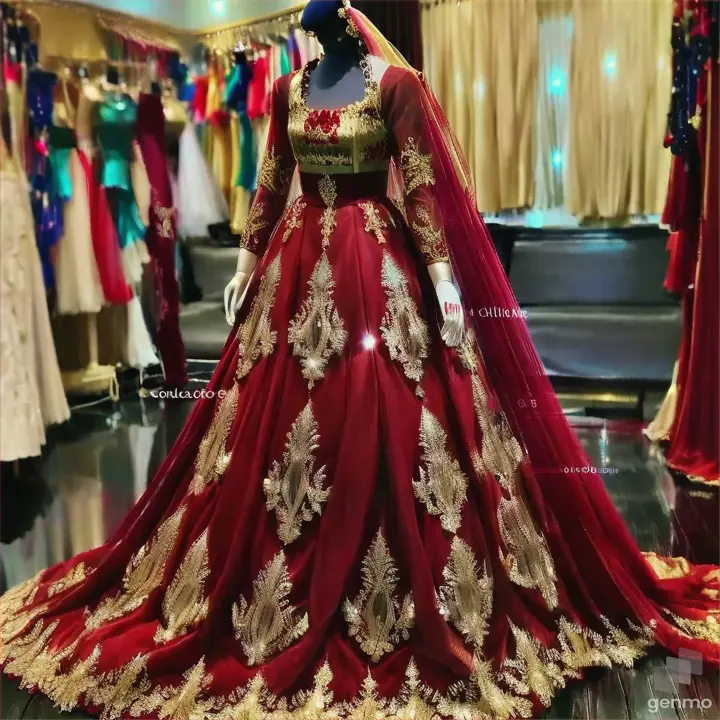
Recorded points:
274,176
405,114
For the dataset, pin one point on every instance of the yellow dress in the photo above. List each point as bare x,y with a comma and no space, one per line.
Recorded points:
219,146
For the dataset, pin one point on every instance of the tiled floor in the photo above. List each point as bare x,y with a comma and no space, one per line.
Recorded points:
99,464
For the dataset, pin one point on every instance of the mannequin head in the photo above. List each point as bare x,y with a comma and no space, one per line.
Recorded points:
321,18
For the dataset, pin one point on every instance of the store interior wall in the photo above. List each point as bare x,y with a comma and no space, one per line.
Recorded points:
169,12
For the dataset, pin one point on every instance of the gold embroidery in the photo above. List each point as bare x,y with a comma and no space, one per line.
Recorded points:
493,702
270,175
144,574
528,562
467,352
442,486
532,670
185,604
269,624
213,459
328,221
294,489
255,335
295,219
117,690
45,666
707,629
667,568
467,597
23,651
404,331
19,622
376,618
65,689
317,331
432,240
416,167
253,225
399,203
16,599
163,226
74,577
374,223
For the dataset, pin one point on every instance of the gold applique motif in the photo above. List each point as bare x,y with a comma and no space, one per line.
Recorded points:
317,331
15,625
404,331
254,223
442,486
65,689
269,625
416,167
255,336
294,489
179,702
490,700
467,352
532,670
295,219
328,221
213,459
707,629
144,574
667,568
118,690
432,240
374,224
163,226
376,619
270,175
23,651
185,604
74,577
15,599
466,599
528,561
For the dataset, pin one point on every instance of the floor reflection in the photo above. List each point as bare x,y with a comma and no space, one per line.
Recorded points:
98,465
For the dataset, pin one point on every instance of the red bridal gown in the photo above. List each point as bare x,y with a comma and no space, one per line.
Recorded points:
349,528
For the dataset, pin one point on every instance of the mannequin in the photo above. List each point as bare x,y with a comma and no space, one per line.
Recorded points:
335,83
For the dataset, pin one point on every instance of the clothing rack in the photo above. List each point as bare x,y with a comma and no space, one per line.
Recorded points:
224,38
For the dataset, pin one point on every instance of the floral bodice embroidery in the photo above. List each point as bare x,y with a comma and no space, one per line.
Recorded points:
347,140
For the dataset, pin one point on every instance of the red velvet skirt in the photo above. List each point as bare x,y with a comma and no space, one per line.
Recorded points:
346,526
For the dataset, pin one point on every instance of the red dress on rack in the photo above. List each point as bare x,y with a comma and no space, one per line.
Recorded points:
258,96
356,521
160,239
694,446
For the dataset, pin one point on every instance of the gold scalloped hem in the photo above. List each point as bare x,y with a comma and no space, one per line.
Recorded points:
534,676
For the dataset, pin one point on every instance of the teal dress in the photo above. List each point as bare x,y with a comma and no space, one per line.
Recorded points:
115,127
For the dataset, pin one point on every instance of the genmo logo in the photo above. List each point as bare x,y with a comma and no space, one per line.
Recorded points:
676,703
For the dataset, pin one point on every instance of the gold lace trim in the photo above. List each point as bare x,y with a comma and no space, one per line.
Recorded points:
466,599
295,219
442,487
432,240
255,222
376,619
404,331
270,175
269,624
116,691
255,336
328,221
374,224
416,167
212,458
185,604
317,331
144,574
294,489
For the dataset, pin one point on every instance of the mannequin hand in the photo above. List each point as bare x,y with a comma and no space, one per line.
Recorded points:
234,295
452,312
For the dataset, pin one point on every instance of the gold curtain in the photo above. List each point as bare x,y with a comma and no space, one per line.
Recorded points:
481,61
620,82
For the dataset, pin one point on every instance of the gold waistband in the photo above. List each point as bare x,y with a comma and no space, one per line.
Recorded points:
343,169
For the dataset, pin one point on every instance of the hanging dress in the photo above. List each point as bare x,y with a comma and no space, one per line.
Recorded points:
31,391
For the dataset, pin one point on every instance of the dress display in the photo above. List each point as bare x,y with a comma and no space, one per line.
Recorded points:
31,391
161,239
360,522
78,288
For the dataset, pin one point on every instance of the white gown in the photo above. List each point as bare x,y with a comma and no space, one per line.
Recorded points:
200,201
